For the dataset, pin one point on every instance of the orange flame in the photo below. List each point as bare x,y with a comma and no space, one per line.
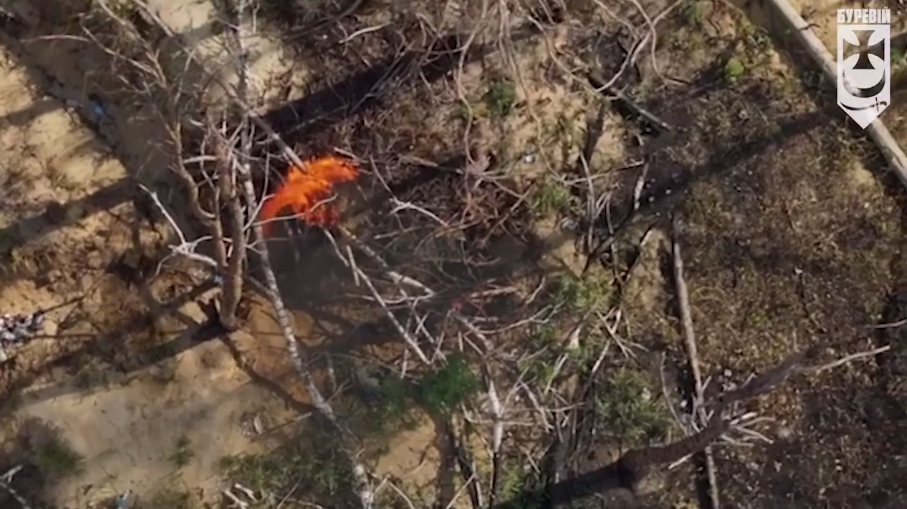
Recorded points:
306,187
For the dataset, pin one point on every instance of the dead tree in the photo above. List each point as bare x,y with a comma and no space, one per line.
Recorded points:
216,171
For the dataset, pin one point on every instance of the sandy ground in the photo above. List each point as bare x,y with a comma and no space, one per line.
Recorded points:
198,26
51,158
128,432
126,428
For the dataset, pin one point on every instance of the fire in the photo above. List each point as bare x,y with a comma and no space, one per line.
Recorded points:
306,187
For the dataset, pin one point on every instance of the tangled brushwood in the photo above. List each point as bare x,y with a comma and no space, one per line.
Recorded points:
18,329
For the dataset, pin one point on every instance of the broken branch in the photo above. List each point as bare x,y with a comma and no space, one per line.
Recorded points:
689,339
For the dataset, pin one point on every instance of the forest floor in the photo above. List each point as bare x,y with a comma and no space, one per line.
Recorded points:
792,234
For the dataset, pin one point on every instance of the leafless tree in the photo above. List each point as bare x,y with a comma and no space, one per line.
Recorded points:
218,176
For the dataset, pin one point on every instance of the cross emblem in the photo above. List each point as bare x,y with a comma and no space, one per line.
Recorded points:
864,49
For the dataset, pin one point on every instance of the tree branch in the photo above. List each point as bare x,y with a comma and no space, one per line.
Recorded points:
689,339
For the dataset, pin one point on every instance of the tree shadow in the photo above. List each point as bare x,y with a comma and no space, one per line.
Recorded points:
321,109
671,173
105,348
266,383
25,115
315,281
377,86
121,132
158,298
45,458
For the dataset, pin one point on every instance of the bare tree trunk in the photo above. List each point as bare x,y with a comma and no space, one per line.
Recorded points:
229,172
243,175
